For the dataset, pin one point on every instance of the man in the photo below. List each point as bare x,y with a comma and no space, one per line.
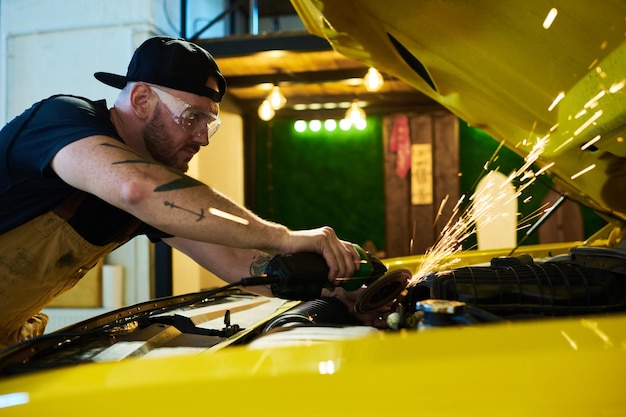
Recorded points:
78,180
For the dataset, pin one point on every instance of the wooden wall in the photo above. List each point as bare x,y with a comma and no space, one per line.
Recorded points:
411,228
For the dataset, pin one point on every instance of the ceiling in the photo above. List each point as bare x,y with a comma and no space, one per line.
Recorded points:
311,75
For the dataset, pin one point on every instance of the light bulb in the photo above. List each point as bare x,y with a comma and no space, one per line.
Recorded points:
300,126
330,125
315,125
276,98
355,113
373,80
266,112
345,124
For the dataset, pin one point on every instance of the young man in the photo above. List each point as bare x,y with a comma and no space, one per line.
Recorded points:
78,180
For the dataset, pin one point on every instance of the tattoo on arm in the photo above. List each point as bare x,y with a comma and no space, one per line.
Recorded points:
258,265
183,181
200,214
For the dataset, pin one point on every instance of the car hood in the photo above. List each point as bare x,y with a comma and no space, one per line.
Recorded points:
555,95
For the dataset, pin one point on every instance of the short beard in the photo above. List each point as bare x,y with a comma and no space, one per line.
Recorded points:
157,142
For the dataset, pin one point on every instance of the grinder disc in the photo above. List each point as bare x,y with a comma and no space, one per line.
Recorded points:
383,290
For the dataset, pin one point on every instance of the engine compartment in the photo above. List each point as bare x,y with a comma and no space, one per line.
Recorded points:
587,281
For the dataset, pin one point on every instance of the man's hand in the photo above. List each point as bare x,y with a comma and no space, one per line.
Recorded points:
341,257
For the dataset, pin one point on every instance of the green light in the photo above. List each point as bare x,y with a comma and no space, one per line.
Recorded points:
345,124
299,126
315,125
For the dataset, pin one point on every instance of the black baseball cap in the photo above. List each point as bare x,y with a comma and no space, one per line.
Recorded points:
173,63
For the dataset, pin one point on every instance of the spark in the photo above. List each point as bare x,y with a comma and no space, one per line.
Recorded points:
441,206
525,221
558,98
563,144
591,142
591,120
228,216
584,171
616,87
544,169
592,102
550,18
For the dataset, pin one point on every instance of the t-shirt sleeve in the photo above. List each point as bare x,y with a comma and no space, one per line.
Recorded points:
55,123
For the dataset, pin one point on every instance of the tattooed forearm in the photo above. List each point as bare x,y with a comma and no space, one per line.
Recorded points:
258,265
174,206
183,181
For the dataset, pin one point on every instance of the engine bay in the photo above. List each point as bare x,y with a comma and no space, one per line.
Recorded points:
587,281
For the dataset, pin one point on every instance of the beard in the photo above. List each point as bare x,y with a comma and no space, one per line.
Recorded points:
158,142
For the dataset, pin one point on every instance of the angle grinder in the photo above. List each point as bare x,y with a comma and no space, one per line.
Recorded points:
303,275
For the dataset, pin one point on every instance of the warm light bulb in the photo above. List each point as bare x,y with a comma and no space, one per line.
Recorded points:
355,113
266,112
373,80
276,98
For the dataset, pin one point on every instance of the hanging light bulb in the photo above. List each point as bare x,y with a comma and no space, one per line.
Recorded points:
266,112
373,80
276,98
355,113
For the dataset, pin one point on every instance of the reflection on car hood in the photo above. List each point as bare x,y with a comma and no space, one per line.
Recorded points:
554,90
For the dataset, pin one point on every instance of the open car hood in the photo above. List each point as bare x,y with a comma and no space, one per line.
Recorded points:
556,93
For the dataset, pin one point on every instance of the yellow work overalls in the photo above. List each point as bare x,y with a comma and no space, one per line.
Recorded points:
39,260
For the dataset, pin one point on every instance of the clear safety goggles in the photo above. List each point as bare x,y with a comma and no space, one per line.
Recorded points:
192,120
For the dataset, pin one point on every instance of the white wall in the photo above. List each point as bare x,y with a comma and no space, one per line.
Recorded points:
54,46
219,165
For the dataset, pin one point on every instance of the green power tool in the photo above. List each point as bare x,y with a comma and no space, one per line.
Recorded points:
303,275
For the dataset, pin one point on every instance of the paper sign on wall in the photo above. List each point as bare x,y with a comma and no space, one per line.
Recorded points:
421,174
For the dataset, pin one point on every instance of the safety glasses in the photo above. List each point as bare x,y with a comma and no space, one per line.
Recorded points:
192,120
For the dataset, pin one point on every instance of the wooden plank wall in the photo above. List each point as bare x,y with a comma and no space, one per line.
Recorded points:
411,229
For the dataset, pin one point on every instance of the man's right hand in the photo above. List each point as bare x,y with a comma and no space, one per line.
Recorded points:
341,257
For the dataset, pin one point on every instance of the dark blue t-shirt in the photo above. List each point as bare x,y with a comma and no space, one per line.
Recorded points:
28,185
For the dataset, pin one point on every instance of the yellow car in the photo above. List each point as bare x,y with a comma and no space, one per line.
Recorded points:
539,332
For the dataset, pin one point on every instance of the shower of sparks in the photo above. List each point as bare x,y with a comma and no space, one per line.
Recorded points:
550,18
443,253
461,224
